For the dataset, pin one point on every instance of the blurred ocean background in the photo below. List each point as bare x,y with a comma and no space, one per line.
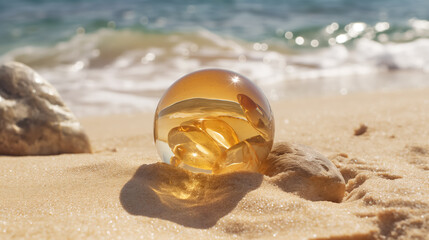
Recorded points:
107,56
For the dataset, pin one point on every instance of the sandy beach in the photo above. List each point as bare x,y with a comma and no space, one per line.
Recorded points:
347,82
122,192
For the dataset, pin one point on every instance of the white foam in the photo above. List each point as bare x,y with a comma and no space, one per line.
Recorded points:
123,71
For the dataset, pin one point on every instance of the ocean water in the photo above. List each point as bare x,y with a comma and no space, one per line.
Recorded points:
107,56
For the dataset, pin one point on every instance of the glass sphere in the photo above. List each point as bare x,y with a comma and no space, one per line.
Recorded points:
214,121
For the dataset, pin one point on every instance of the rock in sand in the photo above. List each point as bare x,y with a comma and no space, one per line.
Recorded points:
305,172
33,118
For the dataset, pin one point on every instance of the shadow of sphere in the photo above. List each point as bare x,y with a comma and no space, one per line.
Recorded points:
191,199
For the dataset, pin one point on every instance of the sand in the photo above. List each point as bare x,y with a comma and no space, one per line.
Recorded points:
120,191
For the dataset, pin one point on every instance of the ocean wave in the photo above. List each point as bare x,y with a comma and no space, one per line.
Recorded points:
124,70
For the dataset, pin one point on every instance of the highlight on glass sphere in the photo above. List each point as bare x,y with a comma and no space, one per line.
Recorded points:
214,121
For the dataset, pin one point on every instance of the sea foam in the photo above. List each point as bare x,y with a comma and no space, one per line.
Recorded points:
116,71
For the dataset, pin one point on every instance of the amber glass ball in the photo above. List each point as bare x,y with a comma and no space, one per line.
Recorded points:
214,121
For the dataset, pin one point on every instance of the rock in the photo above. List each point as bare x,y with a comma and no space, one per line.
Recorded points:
361,129
33,118
302,170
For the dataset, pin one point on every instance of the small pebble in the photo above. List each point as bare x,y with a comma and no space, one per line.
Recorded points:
361,130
